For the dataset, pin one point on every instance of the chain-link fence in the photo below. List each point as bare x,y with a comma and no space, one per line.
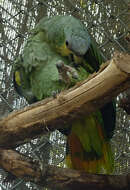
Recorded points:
108,22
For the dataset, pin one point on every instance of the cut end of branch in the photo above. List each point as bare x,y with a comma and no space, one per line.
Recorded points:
122,61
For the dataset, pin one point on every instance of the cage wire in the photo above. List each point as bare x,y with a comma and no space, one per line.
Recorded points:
108,22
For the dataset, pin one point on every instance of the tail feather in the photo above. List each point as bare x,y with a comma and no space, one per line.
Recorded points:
76,152
88,159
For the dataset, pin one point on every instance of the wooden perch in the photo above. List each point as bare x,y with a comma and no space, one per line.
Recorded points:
54,113
59,178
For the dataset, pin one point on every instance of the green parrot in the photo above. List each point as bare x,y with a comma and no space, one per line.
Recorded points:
58,54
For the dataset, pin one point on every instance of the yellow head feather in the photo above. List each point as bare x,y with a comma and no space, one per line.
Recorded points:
17,78
63,50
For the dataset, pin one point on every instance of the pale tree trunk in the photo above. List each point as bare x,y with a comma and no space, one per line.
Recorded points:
55,113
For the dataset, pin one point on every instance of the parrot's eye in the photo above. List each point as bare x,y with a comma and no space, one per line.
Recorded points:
67,43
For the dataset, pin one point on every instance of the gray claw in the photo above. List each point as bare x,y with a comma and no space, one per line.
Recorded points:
54,93
59,65
65,71
75,74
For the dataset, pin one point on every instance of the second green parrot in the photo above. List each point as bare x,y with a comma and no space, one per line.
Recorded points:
58,54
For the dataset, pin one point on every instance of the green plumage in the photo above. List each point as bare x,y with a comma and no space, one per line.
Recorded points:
59,29
39,59
36,76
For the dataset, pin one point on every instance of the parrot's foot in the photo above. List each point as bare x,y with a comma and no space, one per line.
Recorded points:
66,72
55,93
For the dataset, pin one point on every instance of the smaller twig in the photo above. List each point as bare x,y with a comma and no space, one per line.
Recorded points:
59,178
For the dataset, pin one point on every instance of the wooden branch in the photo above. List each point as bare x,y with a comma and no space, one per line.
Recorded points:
50,114
59,178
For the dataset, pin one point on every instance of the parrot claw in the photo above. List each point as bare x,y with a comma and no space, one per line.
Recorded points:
65,71
75,75
55,93
59,64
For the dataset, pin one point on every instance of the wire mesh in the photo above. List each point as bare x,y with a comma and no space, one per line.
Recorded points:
108,22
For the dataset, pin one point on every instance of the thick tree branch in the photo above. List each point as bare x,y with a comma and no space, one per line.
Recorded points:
59,178
50,114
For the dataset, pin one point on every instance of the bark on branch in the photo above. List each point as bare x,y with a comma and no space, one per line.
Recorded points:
59,178
50,114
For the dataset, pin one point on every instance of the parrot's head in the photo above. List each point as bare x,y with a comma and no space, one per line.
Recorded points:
77,41
73,37
67,35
